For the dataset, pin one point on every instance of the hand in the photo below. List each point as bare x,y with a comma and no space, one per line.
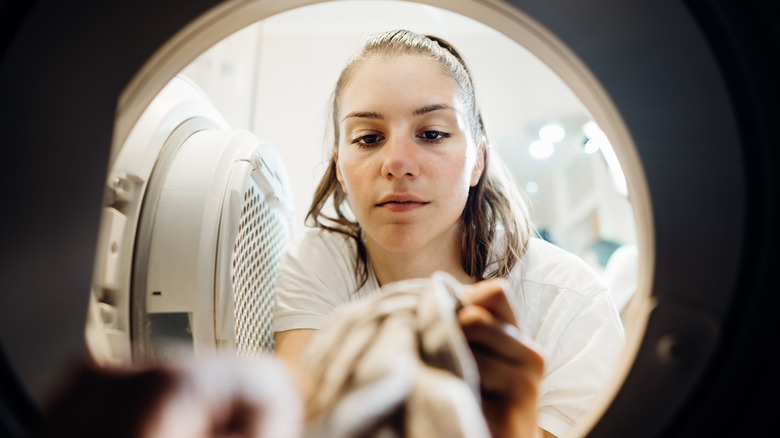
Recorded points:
212,398
510,365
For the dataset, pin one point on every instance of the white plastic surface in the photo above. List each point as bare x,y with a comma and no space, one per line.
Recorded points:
187,218
210,171
110,242
126,185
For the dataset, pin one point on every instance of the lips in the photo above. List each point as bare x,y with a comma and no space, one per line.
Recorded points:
401,202
400,198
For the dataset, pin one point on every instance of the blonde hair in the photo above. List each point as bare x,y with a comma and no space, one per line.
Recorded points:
493,203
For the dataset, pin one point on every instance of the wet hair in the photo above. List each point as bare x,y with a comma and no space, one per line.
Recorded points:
494,223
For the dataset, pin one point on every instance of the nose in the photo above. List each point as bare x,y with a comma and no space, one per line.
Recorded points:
400,156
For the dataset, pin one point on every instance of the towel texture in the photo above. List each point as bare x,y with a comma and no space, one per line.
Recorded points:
395,364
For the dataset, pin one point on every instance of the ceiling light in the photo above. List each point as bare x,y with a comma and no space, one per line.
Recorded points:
593,144
552,133
592,130
541,149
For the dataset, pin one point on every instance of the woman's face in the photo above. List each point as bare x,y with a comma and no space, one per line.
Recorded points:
406,158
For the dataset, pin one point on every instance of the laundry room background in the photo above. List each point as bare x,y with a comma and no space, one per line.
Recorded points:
275,78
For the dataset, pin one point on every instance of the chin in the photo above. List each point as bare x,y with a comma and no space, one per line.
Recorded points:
400,244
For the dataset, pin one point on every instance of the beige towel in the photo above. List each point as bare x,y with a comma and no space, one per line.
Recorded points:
395,364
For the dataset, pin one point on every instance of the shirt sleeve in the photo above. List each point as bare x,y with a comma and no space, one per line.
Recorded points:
315,277
580,362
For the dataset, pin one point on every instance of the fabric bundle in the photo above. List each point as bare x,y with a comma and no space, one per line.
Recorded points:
395,364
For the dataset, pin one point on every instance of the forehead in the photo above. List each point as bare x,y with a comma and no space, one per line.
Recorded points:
390,83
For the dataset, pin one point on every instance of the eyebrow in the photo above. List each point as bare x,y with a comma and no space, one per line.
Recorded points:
430,108
364,115
377,116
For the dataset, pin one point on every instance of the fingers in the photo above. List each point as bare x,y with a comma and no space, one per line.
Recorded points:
510,362
487,334
507,383
490,295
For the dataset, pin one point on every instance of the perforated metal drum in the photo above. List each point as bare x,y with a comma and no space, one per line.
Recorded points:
262,237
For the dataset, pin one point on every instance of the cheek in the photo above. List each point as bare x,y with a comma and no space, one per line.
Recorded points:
459,176
345,169
354,178
453,183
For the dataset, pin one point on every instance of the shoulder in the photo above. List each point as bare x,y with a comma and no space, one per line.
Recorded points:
563,305
316,276
318,257
550,287
548,266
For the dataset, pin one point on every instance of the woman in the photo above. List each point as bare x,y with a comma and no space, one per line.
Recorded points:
412,165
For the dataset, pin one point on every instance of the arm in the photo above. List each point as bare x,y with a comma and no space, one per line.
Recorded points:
290,345
510,367
314,278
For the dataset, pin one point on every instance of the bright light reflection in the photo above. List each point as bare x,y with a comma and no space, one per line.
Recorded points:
592,145
615,171
552,133
591,129
531,187
541,149
597,140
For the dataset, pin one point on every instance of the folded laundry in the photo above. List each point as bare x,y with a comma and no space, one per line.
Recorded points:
395,364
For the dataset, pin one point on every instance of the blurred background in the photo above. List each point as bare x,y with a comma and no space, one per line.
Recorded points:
275,78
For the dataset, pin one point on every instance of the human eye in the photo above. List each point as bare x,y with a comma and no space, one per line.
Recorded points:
367,141
433,136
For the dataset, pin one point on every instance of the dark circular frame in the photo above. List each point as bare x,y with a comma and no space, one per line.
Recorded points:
692,81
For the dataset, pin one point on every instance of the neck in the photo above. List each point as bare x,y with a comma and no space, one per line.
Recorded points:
392,266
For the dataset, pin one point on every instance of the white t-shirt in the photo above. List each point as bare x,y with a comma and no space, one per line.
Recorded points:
556,297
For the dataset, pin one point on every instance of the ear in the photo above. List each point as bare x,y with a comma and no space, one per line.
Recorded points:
339,176
479,166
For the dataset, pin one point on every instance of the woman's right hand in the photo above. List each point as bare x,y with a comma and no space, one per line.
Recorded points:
510,364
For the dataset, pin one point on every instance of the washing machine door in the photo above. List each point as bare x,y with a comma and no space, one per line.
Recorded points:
196,221
692,81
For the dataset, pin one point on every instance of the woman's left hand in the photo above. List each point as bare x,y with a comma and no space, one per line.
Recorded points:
510,364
